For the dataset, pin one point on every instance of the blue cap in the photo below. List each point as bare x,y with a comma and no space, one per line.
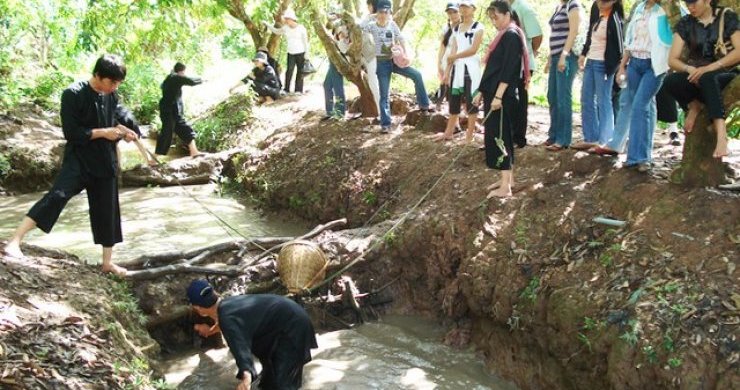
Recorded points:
384,5
200,293
452,6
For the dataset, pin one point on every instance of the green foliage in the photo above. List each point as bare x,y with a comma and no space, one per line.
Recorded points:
674,362
630,335
49,87
530,292
217,130
733,123
4,166
650,354
369,198
141,92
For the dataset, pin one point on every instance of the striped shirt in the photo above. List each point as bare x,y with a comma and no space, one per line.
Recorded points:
385,36
560,27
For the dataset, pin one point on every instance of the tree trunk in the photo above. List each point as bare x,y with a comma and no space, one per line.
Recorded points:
698,168
350,66
404,12
260,35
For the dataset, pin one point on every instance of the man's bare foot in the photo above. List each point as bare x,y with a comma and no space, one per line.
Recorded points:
13,249
721,149
152,163
469,135
501,192
114,269
694,109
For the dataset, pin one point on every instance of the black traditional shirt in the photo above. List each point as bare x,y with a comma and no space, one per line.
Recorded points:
172,88
504,64
84,109
266,76
251,324
701,39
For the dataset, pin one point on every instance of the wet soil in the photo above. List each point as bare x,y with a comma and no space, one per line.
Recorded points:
553,299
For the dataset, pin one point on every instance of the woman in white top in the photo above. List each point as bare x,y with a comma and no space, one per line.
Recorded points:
464,70
453,19
297,40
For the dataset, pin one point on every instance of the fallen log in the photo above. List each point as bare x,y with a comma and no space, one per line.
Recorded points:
313,233
173,269
159,259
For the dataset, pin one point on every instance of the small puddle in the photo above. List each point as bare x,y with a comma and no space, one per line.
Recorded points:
401,352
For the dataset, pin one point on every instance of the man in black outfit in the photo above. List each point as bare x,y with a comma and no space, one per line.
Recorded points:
93,122
271,327
171,111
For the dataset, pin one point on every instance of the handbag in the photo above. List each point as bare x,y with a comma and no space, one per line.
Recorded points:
308,67
722,48
399,56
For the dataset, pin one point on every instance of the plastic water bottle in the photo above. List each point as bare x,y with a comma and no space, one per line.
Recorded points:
622,81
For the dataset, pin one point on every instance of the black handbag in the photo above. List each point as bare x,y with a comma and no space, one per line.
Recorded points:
308,67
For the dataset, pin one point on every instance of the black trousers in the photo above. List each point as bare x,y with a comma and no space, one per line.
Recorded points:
500,124
520,126
667,107
709,90
263,90
295,63
172,121
102,198
283,369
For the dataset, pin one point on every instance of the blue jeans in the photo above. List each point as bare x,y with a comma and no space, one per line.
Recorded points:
643,86
334,88
560,99
597,113
384,70
622,124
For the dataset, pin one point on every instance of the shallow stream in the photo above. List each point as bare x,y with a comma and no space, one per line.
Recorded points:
397,353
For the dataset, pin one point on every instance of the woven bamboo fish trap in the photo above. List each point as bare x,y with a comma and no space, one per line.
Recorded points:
301,265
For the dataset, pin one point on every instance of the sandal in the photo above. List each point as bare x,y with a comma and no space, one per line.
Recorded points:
601,151
555,148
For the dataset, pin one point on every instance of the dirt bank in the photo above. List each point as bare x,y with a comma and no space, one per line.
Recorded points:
31,148
65,326
552,298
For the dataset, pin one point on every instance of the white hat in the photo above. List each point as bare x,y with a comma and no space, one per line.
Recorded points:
467,3
290,14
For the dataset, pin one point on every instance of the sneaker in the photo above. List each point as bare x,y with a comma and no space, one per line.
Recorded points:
675,141
643,167
325,118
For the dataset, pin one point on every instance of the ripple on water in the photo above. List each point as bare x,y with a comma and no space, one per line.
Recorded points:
400,353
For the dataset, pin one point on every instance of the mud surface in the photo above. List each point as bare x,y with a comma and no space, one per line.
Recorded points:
553,299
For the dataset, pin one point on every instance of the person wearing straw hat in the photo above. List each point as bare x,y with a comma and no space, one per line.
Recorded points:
297,41
273,328
263,79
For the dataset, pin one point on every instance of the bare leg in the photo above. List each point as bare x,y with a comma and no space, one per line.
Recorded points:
193,149
471,127
497,184
449,130
721,149
269,100
694,109
108,266
13,247
507,177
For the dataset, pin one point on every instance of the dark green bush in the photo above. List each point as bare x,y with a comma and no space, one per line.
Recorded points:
217,130
140,92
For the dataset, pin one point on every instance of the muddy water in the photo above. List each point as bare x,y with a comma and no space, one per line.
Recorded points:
399,353
153,220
